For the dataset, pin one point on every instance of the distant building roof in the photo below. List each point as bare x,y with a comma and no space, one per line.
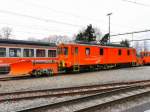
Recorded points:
25,42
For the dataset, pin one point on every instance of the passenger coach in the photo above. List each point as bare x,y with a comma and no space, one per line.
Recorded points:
19,57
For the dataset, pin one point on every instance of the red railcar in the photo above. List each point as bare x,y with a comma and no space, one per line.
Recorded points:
76,56
25,57
145,57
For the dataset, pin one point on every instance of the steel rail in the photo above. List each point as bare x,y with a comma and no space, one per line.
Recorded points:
84,90
85,99
77,87
20,95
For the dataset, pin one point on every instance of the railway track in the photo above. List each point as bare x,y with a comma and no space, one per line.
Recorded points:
96,101
70,91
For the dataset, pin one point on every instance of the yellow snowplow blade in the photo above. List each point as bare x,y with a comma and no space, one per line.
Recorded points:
21,68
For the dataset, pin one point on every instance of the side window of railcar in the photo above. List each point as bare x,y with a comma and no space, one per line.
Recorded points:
128,52
101,52
65,50
14,52
28,52
58,51
51,53
40,53
76,50
87,51
144,54
2,52
119,52
134,52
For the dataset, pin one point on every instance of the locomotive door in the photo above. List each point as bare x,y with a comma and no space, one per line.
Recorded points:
76,59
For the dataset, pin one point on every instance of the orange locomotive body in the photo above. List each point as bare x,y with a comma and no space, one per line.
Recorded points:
27,58
145,57
76,56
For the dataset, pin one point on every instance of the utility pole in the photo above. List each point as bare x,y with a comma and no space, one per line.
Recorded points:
132,39
109,14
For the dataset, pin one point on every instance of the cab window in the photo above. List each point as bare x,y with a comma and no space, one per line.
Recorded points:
28,52
2,52
119,52
76,50
51,53
87,51
128,52
14,52
65,50
40,53
101,51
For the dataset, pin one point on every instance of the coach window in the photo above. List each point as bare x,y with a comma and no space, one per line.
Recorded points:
119,52
28,52
2,52
101,51
51,53
58,51
144,54
65,50
14,52
128,52
87,51
40,53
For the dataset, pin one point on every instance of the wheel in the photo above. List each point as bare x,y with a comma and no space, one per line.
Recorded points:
49,72
36,73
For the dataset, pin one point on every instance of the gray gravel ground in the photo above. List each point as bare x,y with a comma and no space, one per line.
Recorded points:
100,77
17,106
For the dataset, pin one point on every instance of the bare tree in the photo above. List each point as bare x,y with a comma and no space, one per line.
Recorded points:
6,32
57,39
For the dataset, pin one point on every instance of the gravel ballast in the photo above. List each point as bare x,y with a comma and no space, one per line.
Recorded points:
99,77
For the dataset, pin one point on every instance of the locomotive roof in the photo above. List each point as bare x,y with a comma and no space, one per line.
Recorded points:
24,42
94,43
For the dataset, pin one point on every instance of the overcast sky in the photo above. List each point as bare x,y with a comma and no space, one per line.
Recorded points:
41,18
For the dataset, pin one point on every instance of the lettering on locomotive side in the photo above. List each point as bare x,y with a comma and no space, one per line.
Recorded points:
43,61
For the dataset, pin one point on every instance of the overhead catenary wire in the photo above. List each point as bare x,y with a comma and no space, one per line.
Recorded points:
137,3
34,27
130,33
71,14
38,18
133,40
